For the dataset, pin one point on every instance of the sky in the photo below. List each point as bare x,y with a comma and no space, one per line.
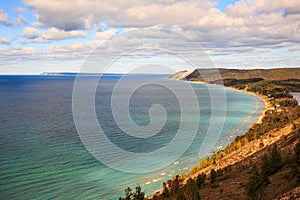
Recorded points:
65,35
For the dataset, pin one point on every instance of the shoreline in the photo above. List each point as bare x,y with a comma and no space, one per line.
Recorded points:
265,99
267,106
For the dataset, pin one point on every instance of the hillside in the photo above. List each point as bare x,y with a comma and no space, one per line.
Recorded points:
264,163
232,174
211,75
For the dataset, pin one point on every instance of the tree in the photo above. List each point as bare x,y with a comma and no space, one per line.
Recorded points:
137,195
295,167
272,164
201,180
256,185
166,192
128,194
175,185
213,175
266,166
297,153
275,160
191,190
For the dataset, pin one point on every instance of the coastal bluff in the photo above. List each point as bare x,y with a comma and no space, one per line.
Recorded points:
211,75
263,163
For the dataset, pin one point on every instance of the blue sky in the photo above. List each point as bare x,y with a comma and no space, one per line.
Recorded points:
38,36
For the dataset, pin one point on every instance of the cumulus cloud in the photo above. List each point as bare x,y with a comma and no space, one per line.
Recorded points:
4,41
247,26
34,35
66,15
253,19
106,34
56,34
3,16
240,9
31,33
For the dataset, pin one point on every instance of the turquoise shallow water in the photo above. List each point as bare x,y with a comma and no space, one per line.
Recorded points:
42,156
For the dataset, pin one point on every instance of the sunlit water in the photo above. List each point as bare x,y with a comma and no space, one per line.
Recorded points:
42,156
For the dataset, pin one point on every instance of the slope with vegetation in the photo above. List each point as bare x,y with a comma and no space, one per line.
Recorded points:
264,163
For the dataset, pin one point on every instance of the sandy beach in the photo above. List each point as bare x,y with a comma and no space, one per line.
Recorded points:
268,104
265,99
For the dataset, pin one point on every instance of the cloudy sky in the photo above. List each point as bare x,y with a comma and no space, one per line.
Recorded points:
59,35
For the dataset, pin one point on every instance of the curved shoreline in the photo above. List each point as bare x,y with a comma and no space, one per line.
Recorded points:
267,103
267,106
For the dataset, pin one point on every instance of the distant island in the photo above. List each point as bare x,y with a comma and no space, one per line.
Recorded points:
264,163
75,74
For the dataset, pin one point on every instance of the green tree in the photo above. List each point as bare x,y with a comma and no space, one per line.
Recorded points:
295,167
128,194
266,166
297,153
272,164
180,196
191,190
275,160
175,185
201,180
256,185
166,192
137,195
213,175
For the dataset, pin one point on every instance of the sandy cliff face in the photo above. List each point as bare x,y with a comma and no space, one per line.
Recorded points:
180,75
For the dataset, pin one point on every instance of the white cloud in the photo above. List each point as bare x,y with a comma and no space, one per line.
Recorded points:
4,41
18,21
135,13
106,34
269,6
240,9
31,33
16,52
34,35
56,34
246,20
35,40
247,26
3,16
19,9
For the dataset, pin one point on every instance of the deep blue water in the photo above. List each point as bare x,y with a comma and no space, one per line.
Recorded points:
42,156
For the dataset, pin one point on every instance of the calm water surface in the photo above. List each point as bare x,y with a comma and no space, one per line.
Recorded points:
42,156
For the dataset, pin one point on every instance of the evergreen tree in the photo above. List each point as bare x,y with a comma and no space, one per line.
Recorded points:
213,175
166,192
137,195
276,162
296,164
201,180
191,190
266,166
297,153
256,184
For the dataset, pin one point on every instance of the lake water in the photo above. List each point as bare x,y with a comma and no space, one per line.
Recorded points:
297,96
43,157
